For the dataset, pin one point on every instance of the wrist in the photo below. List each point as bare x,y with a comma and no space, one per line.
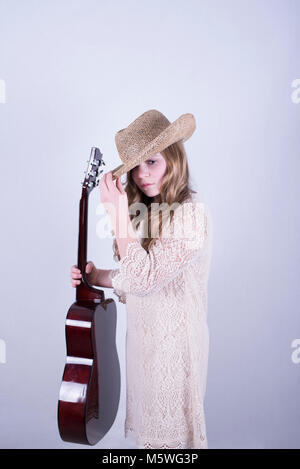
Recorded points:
98,278
103,278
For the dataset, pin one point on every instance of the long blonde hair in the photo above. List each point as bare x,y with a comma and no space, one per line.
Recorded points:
175,188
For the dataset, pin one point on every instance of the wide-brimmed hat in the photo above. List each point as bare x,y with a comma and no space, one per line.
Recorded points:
147,135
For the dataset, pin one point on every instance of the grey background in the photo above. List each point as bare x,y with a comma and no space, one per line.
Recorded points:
75,72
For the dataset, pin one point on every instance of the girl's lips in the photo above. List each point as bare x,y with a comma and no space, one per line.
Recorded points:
146,185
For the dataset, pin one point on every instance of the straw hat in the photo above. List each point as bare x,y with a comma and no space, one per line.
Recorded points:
147,135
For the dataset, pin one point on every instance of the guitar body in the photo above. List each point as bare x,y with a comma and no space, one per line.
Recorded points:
90,389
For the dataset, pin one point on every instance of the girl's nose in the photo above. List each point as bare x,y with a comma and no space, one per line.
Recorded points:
143,170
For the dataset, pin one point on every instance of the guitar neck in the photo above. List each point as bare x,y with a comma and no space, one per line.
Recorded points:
85,291
83,230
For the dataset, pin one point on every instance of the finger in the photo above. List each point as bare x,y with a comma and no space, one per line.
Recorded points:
120,186
101,181
106,181
112,181
102,184
89,267
103,189
75,283
76,275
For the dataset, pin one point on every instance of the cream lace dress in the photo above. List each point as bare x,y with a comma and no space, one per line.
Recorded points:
167,338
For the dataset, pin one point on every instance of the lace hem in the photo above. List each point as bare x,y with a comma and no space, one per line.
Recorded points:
178,444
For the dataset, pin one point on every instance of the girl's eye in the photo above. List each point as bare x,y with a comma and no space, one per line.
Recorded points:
148,161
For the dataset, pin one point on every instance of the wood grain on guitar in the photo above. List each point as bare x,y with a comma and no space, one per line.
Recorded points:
90,390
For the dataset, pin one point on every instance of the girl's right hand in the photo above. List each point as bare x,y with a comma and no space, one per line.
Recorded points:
90,269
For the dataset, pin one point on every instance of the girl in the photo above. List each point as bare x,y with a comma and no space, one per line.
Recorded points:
164,254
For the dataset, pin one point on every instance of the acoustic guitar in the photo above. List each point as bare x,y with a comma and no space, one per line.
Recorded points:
90,388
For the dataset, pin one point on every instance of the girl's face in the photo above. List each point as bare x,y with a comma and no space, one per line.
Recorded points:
150,172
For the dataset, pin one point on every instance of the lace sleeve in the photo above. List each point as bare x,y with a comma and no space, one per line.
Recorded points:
120,294
141,273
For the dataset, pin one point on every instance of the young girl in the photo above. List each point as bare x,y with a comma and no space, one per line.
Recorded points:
163,244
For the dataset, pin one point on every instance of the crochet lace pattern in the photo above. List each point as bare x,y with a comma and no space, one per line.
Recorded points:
167,339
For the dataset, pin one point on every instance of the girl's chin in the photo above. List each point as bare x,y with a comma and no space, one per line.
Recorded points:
151,192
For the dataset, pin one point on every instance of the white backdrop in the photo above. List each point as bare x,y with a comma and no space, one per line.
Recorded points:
74,72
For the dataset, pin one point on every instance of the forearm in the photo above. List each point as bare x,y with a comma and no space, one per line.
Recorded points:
124,235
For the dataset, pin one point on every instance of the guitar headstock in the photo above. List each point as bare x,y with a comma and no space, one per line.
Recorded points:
92,173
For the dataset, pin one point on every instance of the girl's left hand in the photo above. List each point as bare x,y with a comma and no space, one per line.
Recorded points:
113,197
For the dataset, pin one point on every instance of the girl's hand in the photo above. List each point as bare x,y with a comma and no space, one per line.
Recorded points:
90,269
113,197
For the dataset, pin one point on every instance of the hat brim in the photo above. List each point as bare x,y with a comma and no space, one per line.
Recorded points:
181,129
